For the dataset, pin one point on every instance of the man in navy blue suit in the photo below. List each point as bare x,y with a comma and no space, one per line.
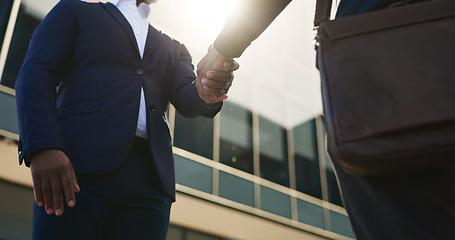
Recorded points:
92,99
408,206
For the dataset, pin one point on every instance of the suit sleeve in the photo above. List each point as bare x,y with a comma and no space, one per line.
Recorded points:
36,87
247,21
185,96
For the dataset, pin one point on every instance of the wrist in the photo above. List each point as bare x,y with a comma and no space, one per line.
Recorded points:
35,154
219,58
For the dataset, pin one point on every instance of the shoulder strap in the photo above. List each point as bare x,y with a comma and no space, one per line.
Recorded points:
322,14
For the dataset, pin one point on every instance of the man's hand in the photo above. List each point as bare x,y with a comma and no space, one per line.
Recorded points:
214,76
53,177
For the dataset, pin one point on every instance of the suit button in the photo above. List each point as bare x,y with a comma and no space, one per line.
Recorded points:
152,107
139,72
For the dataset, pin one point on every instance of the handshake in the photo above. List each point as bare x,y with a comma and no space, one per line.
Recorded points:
214,76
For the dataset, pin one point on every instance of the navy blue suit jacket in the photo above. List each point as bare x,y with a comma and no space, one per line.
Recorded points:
80,85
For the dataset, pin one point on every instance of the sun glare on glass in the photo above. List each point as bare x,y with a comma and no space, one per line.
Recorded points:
211,13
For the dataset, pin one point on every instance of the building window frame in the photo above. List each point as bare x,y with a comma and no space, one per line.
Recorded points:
7,42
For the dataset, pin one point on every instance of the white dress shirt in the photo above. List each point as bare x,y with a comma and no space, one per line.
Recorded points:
137,17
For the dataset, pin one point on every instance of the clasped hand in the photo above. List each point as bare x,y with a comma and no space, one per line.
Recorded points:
214,76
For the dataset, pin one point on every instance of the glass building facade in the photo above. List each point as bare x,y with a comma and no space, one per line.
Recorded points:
259,164
239,160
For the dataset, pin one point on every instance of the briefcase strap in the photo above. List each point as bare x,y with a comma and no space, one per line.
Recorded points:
323,8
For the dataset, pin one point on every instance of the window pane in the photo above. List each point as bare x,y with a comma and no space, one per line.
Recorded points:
175,233
193,235
23,32
236,137
15,211
273,152
340,224
5,10
194,135
236,189
193,174
310,213
307,173
275,202
181,233
8,113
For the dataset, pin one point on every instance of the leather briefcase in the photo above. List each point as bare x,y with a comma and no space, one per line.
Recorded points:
388,86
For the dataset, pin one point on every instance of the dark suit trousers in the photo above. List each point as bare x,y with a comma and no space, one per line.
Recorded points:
406,206
124,204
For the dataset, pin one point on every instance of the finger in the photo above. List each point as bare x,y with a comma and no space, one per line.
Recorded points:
47,195
202,67
76,187
221,98
231,65
215,98
202,64
221,76
215,91
215,84
57,196
68,190
37,189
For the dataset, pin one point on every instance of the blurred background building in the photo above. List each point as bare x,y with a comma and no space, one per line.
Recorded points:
258,170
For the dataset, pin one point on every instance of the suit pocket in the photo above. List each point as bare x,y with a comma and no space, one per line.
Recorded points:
79,108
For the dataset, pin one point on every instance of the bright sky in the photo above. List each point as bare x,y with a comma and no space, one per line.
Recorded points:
196,23
210,13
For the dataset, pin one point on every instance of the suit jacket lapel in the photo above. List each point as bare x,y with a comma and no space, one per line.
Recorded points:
113,10
153,37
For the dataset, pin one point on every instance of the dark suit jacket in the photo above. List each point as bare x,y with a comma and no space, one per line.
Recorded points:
79,89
